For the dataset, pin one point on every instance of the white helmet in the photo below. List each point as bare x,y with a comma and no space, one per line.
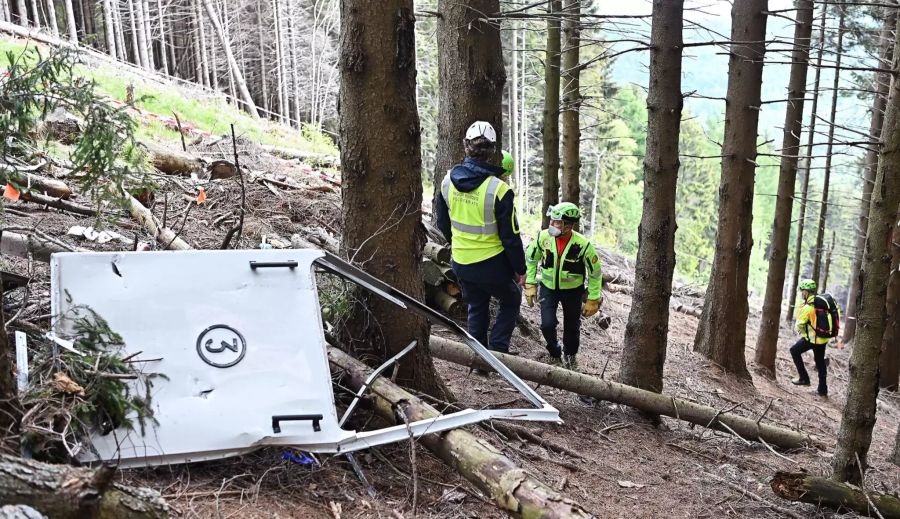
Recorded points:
481,129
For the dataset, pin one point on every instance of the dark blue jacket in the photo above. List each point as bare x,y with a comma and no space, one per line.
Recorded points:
466,177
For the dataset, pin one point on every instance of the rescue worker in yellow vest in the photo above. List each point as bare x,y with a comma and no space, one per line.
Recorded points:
809,340
566,259
476,213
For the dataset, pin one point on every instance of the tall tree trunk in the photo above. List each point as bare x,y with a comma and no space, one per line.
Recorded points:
890,342
198,57
135,44
263,69
89,26
170,46
163,55
514,105
767,341
148,34
35,15
204,53
882,83
382,187
644,352
295,62
22,13
279,64
571,104
52,22
895,456
810,139
222,12
550,131
722,331
109,29
119,31
70,20
10,410
823,209
471,78
232,63
4,11
142,35
824,285
855,434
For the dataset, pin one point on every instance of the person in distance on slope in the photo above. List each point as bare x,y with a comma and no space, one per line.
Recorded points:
566,259
817,322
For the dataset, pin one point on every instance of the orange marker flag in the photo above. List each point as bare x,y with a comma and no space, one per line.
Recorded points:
202,196
10,192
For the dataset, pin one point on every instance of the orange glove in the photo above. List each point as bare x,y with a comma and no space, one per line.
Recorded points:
591,307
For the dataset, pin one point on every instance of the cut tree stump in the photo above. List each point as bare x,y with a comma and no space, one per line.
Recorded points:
647,401
438,298
511,488
65,492
826,492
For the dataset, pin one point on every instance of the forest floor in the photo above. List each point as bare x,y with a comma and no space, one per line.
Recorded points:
627,467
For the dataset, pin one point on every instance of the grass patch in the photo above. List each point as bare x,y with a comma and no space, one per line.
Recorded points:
195,106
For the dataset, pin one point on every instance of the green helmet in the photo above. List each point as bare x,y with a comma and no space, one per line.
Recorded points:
509,163
566,211
807,284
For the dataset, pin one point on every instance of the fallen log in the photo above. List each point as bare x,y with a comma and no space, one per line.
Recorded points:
689,310
647,401
57,203
436,252
65,492
313,159
510,487
35,183
443,302
172,162
806,488
25,245
165,236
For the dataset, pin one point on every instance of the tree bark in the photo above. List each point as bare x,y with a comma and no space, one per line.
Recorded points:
163,55
65,492
644,352
381,188
471,78
722,330
201,36
250,106
23,12
148,35
550,131
164,236
511,488
108,28
172,162
767,340
141,34
263,68
895,456
70,20
26,245
882,83
119,31
810,139
283,107
294,61
647,401
855,434
818,491
31,182
823,207
890,342
135,44
571,103
51,18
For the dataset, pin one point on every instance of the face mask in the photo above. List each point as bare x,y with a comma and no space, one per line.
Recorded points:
554,231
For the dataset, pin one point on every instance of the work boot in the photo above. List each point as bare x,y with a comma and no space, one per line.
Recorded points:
570,363
556,361
799,382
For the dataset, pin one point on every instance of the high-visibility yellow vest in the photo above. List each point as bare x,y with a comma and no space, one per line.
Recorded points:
473,226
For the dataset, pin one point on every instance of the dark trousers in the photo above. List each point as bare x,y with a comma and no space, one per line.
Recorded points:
802,346
571,306
478,297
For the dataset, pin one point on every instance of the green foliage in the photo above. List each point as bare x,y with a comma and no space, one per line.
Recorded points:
76,395
104,151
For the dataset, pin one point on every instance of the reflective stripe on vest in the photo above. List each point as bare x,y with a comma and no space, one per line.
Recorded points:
490,197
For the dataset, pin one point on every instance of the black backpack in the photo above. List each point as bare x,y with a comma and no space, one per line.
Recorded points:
824,307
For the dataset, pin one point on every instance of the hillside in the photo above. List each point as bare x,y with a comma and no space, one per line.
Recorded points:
606,456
